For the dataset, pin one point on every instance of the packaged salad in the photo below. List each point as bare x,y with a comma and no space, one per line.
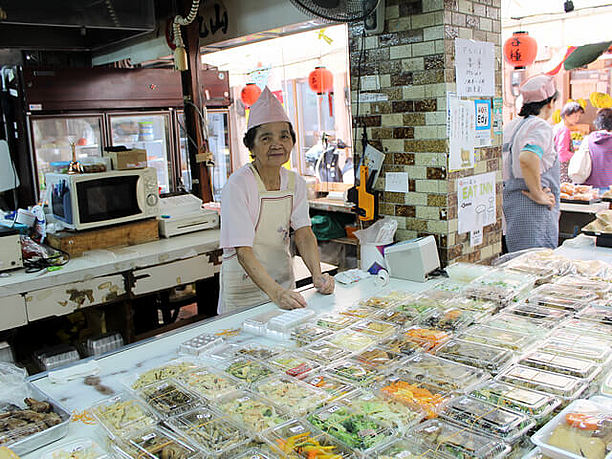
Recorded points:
395,316
427,338
482,308
335,387
585,350
291,394
334,321
376,329
253,412
382,302
416,305
361,312
248,370
155,443
466,272
352,340
414,395
596,329
354,372
325,352
122,414
498,337
489,358
562,291
564,387
170,370
401,344
451,319
168,397
500,285
308,334
82,448
540,313
566,365
382,359
513,322
294,365
208,383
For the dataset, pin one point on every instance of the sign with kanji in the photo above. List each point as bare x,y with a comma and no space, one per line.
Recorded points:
475,68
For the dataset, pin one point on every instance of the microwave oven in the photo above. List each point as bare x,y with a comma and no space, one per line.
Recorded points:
85,201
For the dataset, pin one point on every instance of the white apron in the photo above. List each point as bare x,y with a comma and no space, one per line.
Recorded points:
270,246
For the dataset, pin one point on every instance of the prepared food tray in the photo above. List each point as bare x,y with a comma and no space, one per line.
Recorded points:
309,333
291,395
500,285
257,325
415,305
354,372
173,369
596,314
386,410
248,370
457,441
489,419
122,414
414,395
466,272
441,374
543,274
580,337
401,344
334,321
284,322
213,434
294,365
325,352
482,308
584,351
498,337
489,358
168,397
382,301
563,386
335,387
257,351
82,448
572,366
298,439
513,322
555,302
536,404
380,358
405,449
450,320
253,412
355,430
449,286
395,316
582,429
376,329
208,383
599,287
352,340
427,338
155,443
560,290
361,312
540,313
256,453
590,327
200,344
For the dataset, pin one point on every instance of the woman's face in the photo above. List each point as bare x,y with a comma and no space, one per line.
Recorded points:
573,118
273,144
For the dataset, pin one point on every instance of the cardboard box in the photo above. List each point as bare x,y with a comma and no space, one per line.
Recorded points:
129,159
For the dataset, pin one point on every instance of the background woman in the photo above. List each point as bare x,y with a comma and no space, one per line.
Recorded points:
570,114
260,203
531,170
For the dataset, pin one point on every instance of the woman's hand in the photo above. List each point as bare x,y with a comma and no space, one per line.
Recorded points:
544,197
324,284
288,299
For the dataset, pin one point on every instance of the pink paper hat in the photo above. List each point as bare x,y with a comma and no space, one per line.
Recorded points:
267,109
537,88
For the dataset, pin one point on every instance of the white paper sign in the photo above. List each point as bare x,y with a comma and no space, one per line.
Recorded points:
396,181
476,237
476,202
475,66
462,134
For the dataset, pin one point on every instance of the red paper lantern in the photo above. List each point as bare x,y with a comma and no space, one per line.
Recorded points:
520,50
321,80
249,94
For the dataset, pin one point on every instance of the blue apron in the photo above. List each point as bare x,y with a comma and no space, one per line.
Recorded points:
529,224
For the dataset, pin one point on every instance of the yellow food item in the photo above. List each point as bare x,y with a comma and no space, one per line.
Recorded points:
600,100
577,442
556,116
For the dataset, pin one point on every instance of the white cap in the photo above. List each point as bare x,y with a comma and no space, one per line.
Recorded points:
267,109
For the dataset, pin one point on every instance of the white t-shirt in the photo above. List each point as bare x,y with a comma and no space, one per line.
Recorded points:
535,135
240,208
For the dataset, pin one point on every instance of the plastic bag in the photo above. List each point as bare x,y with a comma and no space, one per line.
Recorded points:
381,232
12,382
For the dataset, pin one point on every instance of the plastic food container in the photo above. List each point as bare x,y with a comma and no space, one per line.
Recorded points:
441,374
168,398
386,410
466,272
208,383
555,302
566,365
536,404
354,372
600,288
307,334
562,291
488,419
542,273
449,286
500,285
404,448
606,386
586,351
380,302
416,305
103,344
458,441
579,430
255,453
565,387
497,337
382,359
213,434
155,443
512,322
532,310
352,429
596,314
290,319
248,370
352,340
576,336
394,316
492,359
200,344
451,319
299,439
57,356
376,329
123,414
427,338
294,365
335,321
484,307
414,395
258,325
325,352
82,448
172,369
291,395
597,329
361,312
253,412
257,351
401,344
335,387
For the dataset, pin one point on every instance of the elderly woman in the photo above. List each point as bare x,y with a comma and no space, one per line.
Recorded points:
592,163
260,203
570,115
531,170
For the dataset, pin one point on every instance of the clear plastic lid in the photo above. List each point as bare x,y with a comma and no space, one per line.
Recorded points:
169,397
258,325
513,322
213,433
248,370
290,319
82,448
255,453
253,412
155,443
335,387
472,304
386,410
594,328
354,372
566,387
309,333
416,305
458,441
497,337
450,286
382,301
586,351
380,358
394,316
291,394
361,312
405,449
427,338
562,290
200,344
355,430
466,272
599,287
352,340
122,414
257,351
442,374
535,404
294,365
581,337
401,344
500,285
209,383
596,314
451,319
583,369
334,321
171,369
534,311
555,302
105,343
490,358
299,439
606,385
325,352
376,329
542,273
56,356
488,419
415,395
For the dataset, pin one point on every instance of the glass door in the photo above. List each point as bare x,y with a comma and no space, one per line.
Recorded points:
185,168
52,137
149,132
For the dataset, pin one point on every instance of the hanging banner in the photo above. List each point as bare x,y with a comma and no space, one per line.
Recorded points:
475,67
476,202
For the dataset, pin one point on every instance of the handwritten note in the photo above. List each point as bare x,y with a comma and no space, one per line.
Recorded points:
397,182
475,66
462,134
476,202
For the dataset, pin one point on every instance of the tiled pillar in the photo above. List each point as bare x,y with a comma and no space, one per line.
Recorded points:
408,69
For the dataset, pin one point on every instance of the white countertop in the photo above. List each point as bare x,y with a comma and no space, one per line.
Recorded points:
584,208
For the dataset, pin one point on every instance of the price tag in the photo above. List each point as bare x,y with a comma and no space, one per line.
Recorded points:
296,429
149,437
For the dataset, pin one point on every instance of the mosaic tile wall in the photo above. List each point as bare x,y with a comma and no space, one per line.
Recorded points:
404,76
